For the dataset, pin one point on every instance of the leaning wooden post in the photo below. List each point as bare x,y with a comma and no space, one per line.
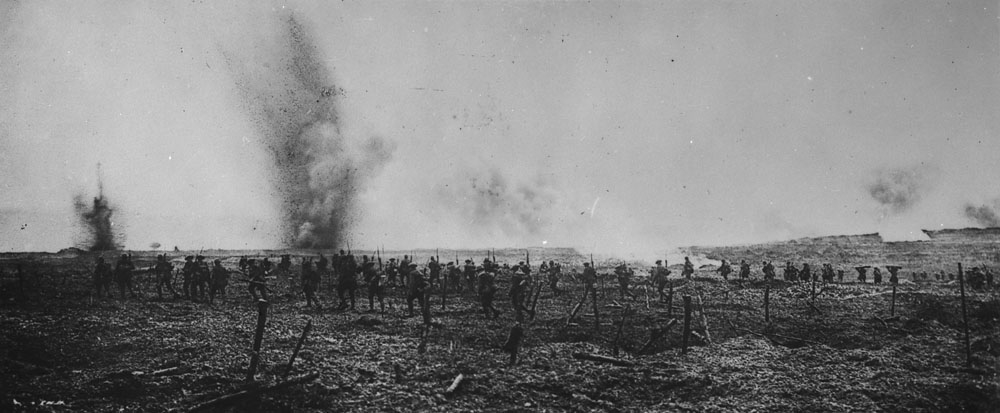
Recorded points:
670,299
767,297
687,323
965,319
298,346
258,336
597,317
621,328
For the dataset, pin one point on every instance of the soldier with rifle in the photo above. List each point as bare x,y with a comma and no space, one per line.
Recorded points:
201,276
347,283
469,270
877,276
589,279
218,282
862,273
805,274
164,276
435,270
519,286
768,270
454,276
391,272
310,283
660,279
790,272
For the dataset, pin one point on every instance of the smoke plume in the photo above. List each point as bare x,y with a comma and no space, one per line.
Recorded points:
98,230
984,215
490,201
293,101
898,190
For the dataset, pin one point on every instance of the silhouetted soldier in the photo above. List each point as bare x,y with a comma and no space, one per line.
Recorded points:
347,282
768,270
487,290
688,268
660,279
840,276
877,276
725,270
391,273
416,286
469,270
806,273
519,286
435,270
744,270
218,281
893,273
123,275
164,276
404,270
790,273
454,276
102,277
374,282
862,273
201,276
285,264
555,271
624,275
310,283
257,280
187,273
243,263
589,280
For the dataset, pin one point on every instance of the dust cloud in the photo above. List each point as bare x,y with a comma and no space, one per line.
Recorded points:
984,215
899,190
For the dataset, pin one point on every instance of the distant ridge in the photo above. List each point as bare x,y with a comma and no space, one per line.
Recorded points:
965,234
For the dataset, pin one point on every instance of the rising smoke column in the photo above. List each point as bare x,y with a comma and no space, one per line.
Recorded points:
898,190
984,215
98,229
293,101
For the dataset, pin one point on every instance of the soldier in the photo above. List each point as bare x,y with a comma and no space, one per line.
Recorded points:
391,272
416,286
688,268
487,290
827,273
470,274
554,273
624,275
310,283
790,273
744,270
201,276
374,282
877,276
404,270
243,263
435,270
164,276
725,270
660,278
520,284
805,274
893,274
347,283
257,280
840,276
862,273
286,263
544,268
123,275
102,277
187,272
589,280
768,271
454,276
976,279
219,281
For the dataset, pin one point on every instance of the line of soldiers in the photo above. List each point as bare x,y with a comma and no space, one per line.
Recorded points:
199,280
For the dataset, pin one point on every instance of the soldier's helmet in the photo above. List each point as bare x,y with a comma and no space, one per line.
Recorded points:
217,261
659,262
451,263
520,263
468,261
342,252
202,257
392,259
586,264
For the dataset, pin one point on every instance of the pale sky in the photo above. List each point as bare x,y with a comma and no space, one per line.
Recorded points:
625,127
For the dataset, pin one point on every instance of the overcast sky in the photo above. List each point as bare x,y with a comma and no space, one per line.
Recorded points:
613,127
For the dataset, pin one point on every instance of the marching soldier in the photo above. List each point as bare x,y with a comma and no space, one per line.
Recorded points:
893,273
374,281
554,273
201,277
123,275
469,270
102,277
688,268
806,274
725,270
219,281
435,270
744,270
310,283
519,286
164,276
624,275
347,283
660,278
876,276
790,273
257,280
768,271
862,273
487,290
391,272
187,272
416,286
454,276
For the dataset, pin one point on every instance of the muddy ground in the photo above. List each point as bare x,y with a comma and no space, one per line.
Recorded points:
62,349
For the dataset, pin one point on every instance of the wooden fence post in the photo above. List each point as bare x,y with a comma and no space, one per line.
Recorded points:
258,336
687,323
965,318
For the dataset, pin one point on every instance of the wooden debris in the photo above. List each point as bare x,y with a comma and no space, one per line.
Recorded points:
656,334
455,383
602,359
231,399
298,346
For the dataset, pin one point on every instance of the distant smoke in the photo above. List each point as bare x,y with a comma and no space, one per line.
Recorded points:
984,215
898,190
294,103
489,201
98,231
